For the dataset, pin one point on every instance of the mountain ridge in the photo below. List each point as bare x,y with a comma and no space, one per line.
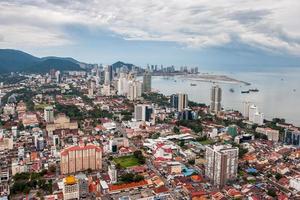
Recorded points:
12,60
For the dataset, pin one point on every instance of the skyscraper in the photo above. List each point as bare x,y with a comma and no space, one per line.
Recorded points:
123,84
216,97
147,82
179,101
110,71
49,114
142,112
106,77
221,164
134,90
182,102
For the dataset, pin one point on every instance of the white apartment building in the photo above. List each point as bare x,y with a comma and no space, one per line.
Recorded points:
221,164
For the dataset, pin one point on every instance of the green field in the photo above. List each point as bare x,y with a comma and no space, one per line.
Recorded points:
127,161
206,142
40,106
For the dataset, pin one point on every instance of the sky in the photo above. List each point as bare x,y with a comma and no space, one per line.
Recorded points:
218,33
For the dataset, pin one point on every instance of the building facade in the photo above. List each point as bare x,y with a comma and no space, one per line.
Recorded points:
80,158
216,98
221,164
147,82
292,137
142,112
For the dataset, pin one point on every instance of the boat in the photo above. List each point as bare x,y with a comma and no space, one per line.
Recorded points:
253,90
245,92
193,84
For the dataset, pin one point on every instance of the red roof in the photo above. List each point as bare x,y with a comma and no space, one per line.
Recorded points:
78,148
161,189
127,185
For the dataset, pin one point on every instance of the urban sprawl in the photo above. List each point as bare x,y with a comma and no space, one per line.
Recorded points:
103,133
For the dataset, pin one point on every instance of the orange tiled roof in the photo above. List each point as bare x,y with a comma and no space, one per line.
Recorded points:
127,185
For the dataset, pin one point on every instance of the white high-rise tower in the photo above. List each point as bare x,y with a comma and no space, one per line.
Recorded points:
216,98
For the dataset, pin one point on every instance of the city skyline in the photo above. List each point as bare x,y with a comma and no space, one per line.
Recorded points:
227,34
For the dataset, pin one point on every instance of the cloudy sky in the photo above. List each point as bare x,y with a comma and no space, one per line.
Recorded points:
220,33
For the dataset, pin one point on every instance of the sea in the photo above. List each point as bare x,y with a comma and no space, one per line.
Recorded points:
278,95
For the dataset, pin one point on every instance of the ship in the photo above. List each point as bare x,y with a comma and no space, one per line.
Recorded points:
231,90
253,90
245,92
193,84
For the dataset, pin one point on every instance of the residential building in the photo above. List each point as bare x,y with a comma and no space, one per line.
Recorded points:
255,116
142,112
49,114
221,164
80,158
134,90
147,82
292,137
179,101
216,98
112,172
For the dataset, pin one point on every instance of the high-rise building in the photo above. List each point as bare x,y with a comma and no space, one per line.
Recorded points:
221,164
216,98
255,116
112,172
49,114
179,101
134,90
292,137
57,76
142,112
111,73
123,84
182,102
245,112
174,101
147,82
80,158
106,77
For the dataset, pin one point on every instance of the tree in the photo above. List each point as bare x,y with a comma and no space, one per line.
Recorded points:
176,130
278,176
52,169
181,143
271,192
191,162
139,155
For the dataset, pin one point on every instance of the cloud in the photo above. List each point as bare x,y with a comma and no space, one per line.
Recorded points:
268,25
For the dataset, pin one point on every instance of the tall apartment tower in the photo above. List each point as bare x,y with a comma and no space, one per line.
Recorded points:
142,112
112,172
80,158
221,164
216,98
134,90
182,102
179,101
147,82
49,114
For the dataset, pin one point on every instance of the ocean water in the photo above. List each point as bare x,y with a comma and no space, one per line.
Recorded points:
278,96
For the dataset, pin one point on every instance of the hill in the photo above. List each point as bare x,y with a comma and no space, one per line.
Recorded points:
120,64
18,61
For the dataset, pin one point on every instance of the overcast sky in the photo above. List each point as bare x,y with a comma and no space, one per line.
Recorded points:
193,32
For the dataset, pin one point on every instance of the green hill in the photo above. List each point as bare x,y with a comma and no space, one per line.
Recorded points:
18,61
